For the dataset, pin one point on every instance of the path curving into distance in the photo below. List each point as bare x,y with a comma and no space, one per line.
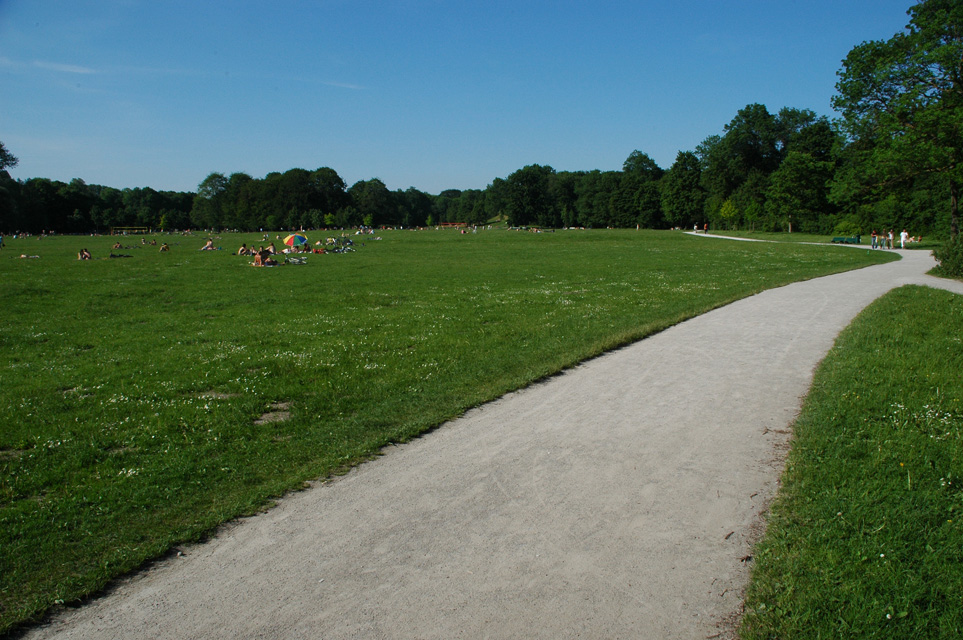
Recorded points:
617,500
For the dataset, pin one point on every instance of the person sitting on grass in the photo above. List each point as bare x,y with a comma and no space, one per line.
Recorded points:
243,251
83,255
208,246
164,247
263,258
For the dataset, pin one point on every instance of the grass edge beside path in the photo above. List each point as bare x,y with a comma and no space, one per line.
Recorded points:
865,537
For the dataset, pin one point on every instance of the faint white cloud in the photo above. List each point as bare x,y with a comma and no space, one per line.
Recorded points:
63,68
343,85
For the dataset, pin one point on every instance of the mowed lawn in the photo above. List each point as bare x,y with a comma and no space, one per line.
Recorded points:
145,400
865,539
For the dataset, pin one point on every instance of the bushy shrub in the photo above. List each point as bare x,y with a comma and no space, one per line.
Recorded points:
950,257
846,228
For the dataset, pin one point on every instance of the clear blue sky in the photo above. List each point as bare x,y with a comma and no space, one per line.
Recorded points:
433,94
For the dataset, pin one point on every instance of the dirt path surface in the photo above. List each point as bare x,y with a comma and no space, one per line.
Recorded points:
618,500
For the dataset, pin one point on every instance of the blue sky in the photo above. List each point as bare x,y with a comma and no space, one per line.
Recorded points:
433,94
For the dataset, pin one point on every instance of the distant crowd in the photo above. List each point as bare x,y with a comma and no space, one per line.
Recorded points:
885,239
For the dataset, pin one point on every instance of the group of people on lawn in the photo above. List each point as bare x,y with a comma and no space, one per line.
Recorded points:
84,254
264,256
885,239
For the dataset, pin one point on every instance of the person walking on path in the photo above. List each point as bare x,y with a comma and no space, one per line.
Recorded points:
903,237
890,238
875,240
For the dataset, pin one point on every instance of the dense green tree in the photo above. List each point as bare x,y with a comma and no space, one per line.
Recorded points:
728,212
470,206
372,203
566,197
638,200
207,211
750,202
641,165
625,201
414,207
682,197
42,206
9,202
496,199
76,200
294,198
329,190
7,159
740,165
444,207
175,210
139,205
594,203
241,203
530,199
805,132
109,210
902,99
798,195
750,143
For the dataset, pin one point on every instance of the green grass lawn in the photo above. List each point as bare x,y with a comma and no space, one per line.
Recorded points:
773,236
927,244
865,539
131,389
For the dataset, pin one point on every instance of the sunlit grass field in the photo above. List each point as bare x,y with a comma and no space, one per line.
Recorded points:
133,391
927,244
866,537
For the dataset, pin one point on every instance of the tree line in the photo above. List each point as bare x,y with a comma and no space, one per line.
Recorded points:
890,162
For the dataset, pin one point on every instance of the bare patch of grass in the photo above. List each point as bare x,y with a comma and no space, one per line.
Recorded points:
279,412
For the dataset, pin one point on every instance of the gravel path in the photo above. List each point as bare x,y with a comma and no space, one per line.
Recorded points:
619,500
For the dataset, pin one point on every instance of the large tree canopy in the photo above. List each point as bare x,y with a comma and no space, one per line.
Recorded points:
7,159
902,100
682,196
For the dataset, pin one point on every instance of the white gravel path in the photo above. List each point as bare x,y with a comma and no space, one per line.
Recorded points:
618,500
